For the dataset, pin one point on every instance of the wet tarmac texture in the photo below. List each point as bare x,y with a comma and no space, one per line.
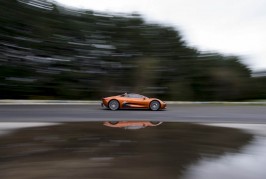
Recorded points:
92,150
173,113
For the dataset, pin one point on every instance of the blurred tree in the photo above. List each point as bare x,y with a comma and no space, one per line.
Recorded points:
49,51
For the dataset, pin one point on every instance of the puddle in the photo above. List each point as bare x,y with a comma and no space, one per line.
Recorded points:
7,127
249,163
93,150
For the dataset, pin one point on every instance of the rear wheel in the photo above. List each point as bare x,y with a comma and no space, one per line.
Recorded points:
155,105
113,104
155,122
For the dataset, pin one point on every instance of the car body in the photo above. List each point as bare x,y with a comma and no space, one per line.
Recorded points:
131,124
132,100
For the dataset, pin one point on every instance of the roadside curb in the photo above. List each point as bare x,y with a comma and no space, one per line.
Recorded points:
48,102
97,102
216,102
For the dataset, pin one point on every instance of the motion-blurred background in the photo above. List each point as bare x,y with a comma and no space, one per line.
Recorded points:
48,51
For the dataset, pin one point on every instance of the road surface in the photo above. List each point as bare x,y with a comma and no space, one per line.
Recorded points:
179,113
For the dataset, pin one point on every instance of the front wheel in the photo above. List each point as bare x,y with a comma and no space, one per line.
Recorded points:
155,105
113,105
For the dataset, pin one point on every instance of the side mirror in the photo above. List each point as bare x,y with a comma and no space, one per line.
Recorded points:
144,98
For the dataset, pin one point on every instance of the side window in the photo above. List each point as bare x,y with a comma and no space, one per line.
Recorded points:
130,95
138,96
135,96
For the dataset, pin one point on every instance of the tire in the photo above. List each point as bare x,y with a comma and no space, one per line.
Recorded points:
155,122
113,122
155,105
113,105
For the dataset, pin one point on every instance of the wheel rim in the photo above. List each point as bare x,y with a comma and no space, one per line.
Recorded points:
113,105
155,105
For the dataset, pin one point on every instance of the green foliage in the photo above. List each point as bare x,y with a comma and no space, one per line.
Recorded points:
53,52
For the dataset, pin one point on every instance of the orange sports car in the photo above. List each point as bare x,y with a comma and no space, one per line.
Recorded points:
131,124
131,100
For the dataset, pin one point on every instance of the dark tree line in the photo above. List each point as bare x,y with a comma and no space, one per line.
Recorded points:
51,52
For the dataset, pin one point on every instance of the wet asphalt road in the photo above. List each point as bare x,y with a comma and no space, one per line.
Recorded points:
178,113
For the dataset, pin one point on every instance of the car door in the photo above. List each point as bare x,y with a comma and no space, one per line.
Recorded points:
136,101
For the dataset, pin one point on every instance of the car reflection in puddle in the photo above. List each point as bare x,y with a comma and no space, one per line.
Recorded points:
132,124
93,150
